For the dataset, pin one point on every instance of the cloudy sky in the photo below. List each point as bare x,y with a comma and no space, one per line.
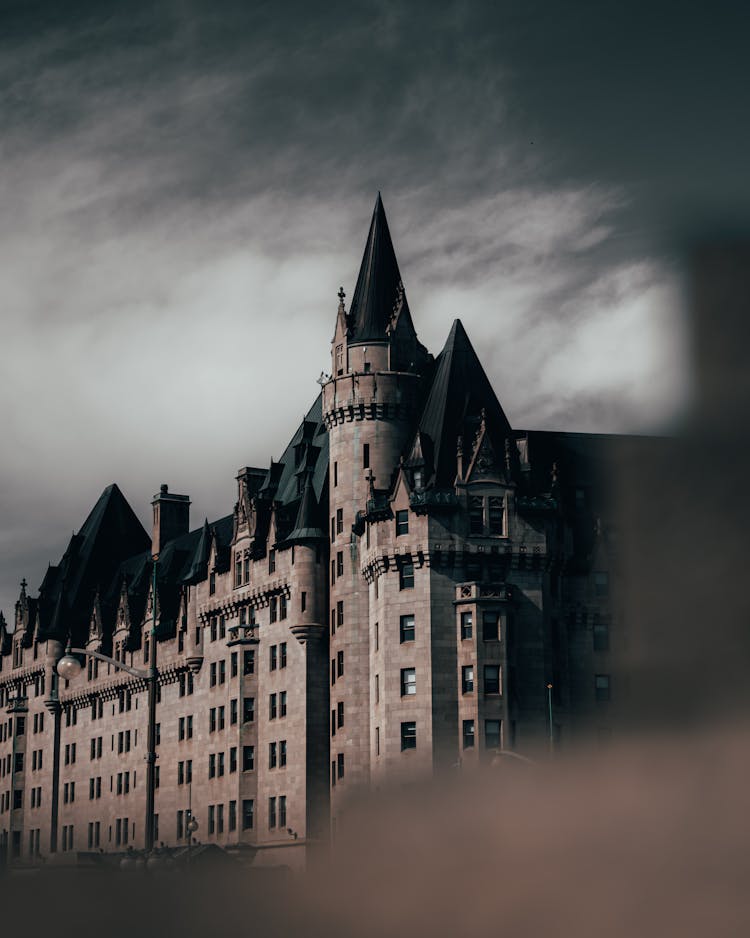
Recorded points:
185,185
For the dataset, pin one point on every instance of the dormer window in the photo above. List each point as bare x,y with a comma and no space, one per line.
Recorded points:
487,515
417,478
339,359
212,583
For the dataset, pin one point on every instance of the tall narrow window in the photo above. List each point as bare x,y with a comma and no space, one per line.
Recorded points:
496,515
468,734
408,682
476,514
406,629
339,520
467,628
406,576
492,679
409,735
366,456
492,739
602,687
402,522
490,626
467,679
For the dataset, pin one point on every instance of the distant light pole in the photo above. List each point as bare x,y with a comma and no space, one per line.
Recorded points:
69,667
551,725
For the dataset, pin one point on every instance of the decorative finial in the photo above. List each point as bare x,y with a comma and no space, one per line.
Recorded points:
341,295
507,454
24,584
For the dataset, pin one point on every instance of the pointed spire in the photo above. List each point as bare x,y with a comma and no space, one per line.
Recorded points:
199,564
307,524
379,288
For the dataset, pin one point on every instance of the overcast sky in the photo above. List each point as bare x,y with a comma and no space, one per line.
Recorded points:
185,185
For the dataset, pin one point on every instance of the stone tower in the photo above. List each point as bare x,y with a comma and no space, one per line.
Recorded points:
369,407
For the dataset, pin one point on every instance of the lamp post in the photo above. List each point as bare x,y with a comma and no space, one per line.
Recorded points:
69,667
551,725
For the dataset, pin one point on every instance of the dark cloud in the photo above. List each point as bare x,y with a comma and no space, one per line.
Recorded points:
180,178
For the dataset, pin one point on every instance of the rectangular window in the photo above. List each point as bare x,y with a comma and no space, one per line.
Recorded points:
272,706
467,625
282,655
406,629
601,583
335,474
273,609
212,720
496,515
490,626
601,633
476,514
248,662
282,704
232,759
409,735
212,765
248,709
402,522
233,711
211,819
232,815
468,734
340,765
247,814
492,679
271,813
282,753
492,734
339,663
272,755
273,656
220,765
366,456
302,601
467,679
340,613
221,717
406,576
248,758
212,583
408,682
189,727
602,687
233,665
339,520
377,637
272,561
222,671
282,810
282,604
212,681
339,563
340,713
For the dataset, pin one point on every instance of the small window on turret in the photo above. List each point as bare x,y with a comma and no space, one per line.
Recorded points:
339,359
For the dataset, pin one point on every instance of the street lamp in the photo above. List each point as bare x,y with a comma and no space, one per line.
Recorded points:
551,725
69,667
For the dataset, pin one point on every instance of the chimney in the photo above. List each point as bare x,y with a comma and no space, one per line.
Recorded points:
171,518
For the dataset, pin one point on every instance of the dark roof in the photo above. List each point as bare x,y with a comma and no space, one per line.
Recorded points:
460,389
307,525
111,533
378,284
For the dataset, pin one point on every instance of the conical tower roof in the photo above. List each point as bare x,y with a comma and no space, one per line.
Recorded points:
378,284
307,524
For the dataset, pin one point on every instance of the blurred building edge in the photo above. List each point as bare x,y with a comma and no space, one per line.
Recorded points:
685,520
412,586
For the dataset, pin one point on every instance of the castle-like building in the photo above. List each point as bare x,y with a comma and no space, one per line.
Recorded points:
412,587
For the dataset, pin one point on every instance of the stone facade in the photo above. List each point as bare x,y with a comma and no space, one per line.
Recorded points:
414,586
